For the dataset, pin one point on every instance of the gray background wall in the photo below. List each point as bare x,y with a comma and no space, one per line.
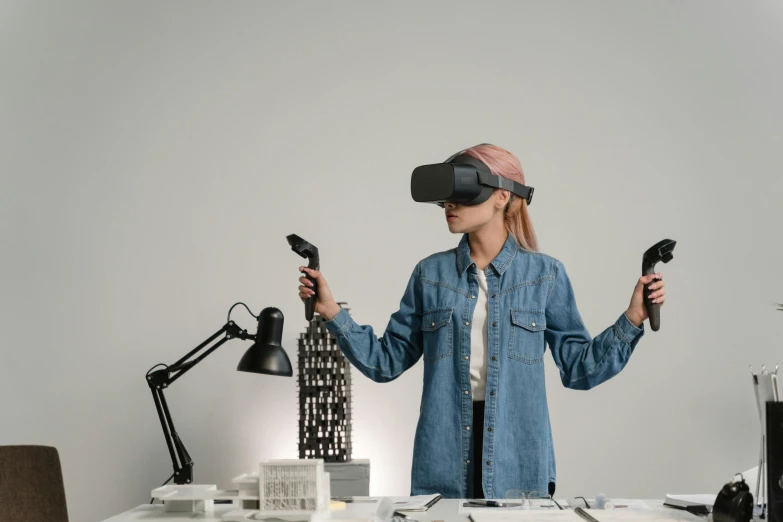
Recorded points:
153,156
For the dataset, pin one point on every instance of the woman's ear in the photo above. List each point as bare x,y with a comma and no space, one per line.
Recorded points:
502,198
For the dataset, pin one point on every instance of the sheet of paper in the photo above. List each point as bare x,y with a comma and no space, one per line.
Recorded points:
630,504
400,503
619,503
417,502
691,500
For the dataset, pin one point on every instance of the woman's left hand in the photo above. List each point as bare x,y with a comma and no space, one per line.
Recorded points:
637,312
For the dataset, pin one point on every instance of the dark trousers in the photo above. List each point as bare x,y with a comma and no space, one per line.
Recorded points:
478,443
477,459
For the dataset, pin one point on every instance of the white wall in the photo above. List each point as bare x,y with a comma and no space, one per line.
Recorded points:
154,156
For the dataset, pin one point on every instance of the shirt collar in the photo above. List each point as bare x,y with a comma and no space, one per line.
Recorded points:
501,261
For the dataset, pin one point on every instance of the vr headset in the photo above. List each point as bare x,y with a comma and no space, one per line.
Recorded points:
461,179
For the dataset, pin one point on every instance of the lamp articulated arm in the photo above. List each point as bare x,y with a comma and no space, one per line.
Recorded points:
159,380
265,356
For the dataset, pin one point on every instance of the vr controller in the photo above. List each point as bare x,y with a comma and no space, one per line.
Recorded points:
305,249
661,251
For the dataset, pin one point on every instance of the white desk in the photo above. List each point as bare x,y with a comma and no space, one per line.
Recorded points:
446,510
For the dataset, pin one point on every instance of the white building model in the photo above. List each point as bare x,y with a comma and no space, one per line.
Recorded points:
293,487
290,488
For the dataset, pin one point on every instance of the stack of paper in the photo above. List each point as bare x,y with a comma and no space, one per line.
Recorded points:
684,501
417,503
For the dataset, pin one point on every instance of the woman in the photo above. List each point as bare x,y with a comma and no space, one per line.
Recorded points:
481,316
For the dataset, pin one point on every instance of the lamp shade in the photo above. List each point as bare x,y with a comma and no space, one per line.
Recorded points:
266,355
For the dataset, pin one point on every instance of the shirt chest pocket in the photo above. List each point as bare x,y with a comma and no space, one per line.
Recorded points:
436,327
526,336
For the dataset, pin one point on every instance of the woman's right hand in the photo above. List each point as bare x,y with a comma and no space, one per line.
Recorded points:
325,305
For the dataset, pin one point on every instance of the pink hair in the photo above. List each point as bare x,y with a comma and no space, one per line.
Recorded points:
502,163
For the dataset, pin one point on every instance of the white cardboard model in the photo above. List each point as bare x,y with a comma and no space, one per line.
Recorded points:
296,489
289,489
198,498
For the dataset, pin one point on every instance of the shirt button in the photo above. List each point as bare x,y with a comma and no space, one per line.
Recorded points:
495,324
493,357
492,393
433,324
467,357
466,392
467,323
489,463
532,324
493,296
467,428
489,429
473,297
467,461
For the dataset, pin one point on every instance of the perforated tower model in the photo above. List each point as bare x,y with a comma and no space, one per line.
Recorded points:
324,381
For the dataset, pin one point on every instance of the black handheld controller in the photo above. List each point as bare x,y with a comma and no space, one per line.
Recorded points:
305,249
661,251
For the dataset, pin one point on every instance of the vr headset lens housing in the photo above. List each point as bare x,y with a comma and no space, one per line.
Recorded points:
463,180
443,182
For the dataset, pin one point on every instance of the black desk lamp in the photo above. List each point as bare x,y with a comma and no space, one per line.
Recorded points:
266,355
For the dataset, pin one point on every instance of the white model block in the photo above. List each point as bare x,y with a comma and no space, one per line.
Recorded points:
192,498
247,486
293,487
188,506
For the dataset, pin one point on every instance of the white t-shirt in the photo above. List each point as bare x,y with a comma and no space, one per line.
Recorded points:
478,341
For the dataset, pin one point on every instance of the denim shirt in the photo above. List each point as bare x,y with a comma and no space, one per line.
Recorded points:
530,305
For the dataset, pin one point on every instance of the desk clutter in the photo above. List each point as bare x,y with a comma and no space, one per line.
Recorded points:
600,502
444,510
572,515
287,489
573,509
